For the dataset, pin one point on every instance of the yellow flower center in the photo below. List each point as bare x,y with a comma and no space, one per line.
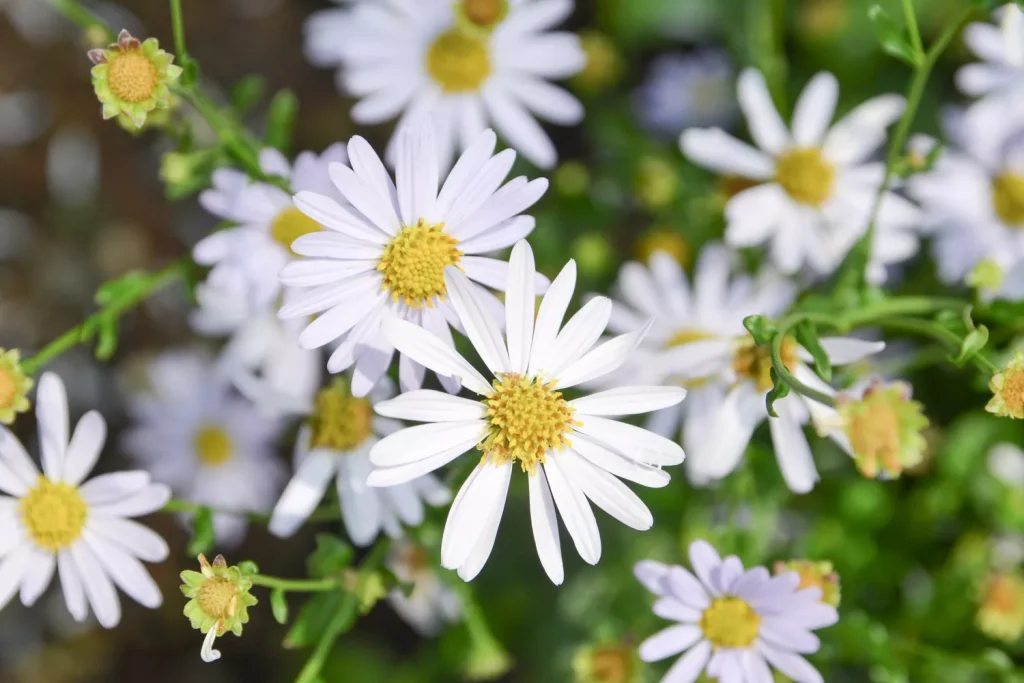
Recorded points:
459,62
686,336
611,664
755,362
132,76
1012,392
340,421
730,622
805,175
413,263
668,241
54,514
290,225
484,13
8,387
874,433
213,445
1008,198
526,417
218,598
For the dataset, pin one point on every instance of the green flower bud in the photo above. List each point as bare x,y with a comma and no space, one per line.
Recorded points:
219,601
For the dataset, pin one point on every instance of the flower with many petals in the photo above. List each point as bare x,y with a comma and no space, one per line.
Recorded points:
571,452
1000,73
57,521
219,601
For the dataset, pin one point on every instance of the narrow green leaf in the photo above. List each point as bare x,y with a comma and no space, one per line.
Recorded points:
247,92
281,119
203,537
248,567
279,605
332,554
760,329
313,620
807,335
779,390
973,343
891,36
106,344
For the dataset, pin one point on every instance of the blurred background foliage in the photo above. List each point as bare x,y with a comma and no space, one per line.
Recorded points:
81,201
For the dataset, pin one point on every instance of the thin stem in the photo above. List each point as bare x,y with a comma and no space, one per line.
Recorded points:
86,331
178,28
942,335
786,376
295,585
915,33
83,17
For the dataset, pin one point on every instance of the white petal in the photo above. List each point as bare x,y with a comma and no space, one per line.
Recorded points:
484,543
12,571
544,521
652,575
336,321
392,476
98,587
844,350
755,668
792,450
304,492
427,405
575,511
547,101
333,216
859,133
676,610
127,572
410,374
716,150
631,441
52,414
763,120
132,537
607,492
464,171
814,110
37,576
669,642
729,432
332,245
515,197
603,360
516,125
150,499
416,171
84,449
362,196
705,562
499,237
628,400
319,299
17,462
686,588
477,320
368,166
520,303
361,505
426,441
71,586
630,470
792,665
471,512
428,350
779,633
690,665
109,488
550,314
578,336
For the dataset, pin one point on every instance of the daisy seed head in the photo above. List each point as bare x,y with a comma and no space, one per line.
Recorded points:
133,78
885,429
1007,387
53,514
805,175
213,446
730,622
459,61
219,600
340,421
14,386
290,225
526,417
1001,614
754,362
613,662
821,575
1008,198
413,263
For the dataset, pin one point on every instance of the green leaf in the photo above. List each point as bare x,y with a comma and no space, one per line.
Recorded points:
807,335
279,605
203,536
281,119
332,554
760,329
779,390
972,344
248,567
107,342
313,620
891,36
248,92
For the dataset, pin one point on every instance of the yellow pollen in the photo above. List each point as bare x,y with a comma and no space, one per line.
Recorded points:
526,418
755,362
611,664
8,388
484,13
132,76
413,263
805,175
340,421
212,445
874,433
459,62
666,240
1012,392
730,622
686,336
218,598
1003,594
1008,198
53,514
290,225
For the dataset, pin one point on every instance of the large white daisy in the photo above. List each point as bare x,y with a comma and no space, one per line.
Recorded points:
266,221
334,444
710,310
83,531
468,62
1000,73
817,188
208,444
570,450
386,257
735,625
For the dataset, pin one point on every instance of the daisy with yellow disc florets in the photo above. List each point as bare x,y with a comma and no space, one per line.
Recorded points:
219,601
133,77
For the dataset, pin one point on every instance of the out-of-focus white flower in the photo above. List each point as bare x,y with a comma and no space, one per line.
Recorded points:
431,604
570,450
467,62
73,166
209,445
817,188
385,256
735,625
334,444
710,308
1006,463
1000,73
23,117
681,91
266,220
57,521
37,22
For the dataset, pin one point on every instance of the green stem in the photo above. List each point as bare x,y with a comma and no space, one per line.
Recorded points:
342,620
912,30
184,59
947,338
488,658
83,17
786,376
295,585
325,513
765,28
115,309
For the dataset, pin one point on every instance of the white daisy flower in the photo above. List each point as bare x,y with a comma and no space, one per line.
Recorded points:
432,604
817,190
267,221
570,449
54,521
386,258
1000,73
735,625
973,201
334,444
709,312
262,358
468,62
681,91
209,445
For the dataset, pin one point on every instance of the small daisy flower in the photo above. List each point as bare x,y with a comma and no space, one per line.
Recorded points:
884,428
817,188
387,257
1007,387
219,601
692,321
610,662
267,221
209,445
681,91
570,450
334,444
1000,73
821,575
1001,612
133,78
55,522
735,625
431,604
468,62
14,386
